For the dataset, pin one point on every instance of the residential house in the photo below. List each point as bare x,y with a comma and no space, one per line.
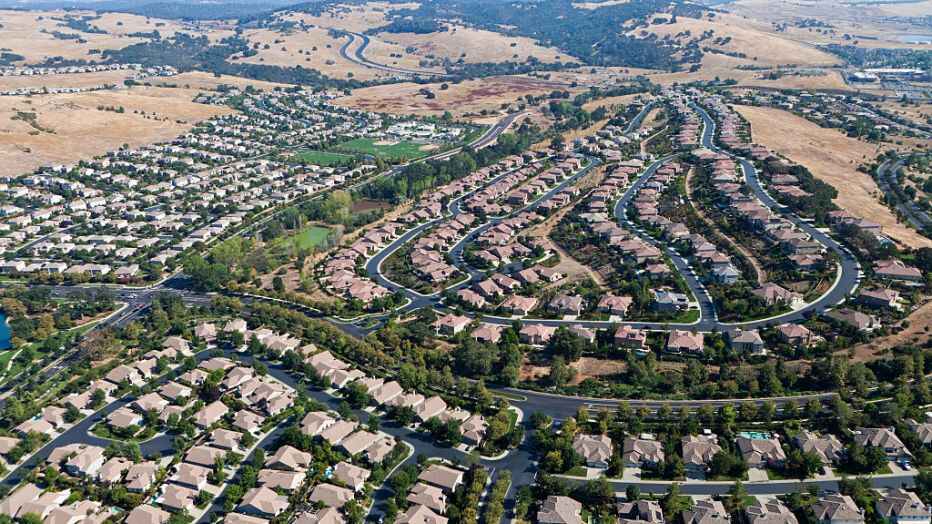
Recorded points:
596,450
560,510
641,452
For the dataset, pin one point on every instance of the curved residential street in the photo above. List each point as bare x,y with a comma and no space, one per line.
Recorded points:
846,281
521,462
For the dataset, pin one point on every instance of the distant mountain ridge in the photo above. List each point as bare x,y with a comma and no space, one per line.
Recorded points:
169,9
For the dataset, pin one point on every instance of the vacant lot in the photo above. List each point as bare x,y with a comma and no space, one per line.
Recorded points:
470,97
52,129
833,158
473,46
917,334
208,82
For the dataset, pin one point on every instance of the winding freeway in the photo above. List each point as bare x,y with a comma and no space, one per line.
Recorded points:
887,177
357,56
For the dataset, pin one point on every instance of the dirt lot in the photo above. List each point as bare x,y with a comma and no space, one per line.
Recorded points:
71,127
197,80
833,158
597,368
468,97
473,46
572,268
918,334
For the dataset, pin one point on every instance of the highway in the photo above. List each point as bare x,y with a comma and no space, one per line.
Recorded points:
918,218
358,56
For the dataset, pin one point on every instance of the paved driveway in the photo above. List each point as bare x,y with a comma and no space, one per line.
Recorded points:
757,475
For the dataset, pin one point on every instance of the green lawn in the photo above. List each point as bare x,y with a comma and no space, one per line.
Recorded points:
322,158
5,357
311,237
307,238
403,150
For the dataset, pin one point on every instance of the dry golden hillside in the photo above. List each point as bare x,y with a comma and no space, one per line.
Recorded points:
473,46
731,34
471,96
833,158
30,34
64,128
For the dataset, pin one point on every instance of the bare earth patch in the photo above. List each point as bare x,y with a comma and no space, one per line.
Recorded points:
474,46
833,158
917,334
74,128
200,80
470,96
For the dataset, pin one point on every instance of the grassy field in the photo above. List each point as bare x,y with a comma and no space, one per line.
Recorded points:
307,238
311,237
322,158
392,152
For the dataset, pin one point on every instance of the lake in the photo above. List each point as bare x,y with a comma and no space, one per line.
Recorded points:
4,333
915,39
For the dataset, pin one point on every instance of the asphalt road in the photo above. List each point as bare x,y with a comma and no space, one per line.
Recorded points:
846,283
769,487
358,56
848,278
520,461
887,180
159,446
